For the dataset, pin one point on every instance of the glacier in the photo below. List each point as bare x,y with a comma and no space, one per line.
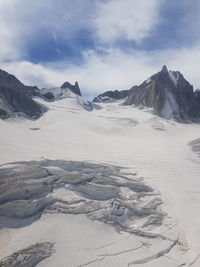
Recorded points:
117,186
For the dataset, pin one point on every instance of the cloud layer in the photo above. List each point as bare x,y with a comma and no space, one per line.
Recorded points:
129,19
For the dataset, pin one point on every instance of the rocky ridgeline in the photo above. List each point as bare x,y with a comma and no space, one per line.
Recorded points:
16,99
169,94
74,88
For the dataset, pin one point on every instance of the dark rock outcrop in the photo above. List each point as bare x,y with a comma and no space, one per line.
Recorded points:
74,88
169,94
111,95
15,97
197,95
48,96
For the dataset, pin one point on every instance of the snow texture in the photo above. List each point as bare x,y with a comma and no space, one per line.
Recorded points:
124,194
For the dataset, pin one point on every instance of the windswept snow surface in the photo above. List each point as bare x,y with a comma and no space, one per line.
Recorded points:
154,148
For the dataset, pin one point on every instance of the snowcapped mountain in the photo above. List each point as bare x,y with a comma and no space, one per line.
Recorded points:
167,92
116,186
16,99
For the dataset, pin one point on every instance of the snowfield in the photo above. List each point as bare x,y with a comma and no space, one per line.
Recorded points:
160,151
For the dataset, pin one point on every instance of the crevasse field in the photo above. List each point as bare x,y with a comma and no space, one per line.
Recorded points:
107,222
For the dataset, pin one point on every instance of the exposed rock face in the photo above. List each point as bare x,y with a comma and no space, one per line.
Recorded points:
111,95
197,95
169,94
15,97
49,96
74,88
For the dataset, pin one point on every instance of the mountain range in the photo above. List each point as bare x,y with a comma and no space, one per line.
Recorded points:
109,182
167,92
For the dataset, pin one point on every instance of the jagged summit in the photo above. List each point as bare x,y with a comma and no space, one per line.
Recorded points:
56,93
164,69
167,92
16,99
74,88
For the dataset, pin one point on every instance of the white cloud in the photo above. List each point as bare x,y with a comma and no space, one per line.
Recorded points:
129,19
112,70
9,38
25,21
108,69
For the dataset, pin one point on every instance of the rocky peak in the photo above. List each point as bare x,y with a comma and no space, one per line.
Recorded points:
164,69
74,88
15,97
9,81
169,94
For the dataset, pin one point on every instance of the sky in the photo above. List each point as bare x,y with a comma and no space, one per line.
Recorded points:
102,44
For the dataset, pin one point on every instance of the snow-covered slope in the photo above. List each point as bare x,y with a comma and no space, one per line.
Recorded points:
58,93
134,139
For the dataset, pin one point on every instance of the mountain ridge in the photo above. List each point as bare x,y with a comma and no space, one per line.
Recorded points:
169,94
17,98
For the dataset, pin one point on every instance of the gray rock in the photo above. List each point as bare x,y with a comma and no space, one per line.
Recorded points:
169,94
74,88
16,98
109,96
197,95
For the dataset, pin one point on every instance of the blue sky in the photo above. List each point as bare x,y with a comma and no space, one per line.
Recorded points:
102,44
